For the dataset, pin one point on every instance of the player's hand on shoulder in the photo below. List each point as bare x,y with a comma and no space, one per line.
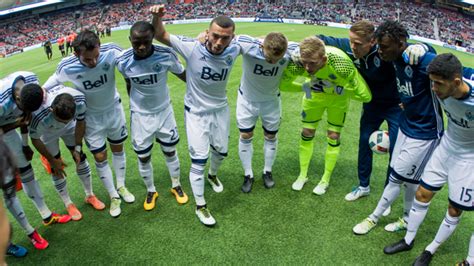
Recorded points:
158,10
414,53
202,37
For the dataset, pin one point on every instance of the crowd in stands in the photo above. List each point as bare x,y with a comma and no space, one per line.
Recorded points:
420,19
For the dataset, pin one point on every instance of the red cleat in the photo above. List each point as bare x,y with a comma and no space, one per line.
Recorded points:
38,241
45,164
57,219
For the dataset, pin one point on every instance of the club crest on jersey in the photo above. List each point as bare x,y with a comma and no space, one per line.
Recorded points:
469,116
409,71
157,67
376,61
106,67
282,61
357,63
229,60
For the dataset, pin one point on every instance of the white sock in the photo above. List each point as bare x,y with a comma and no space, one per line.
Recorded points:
146,172
196,178
105,174
216,161
390,193
119,162
14,206
470,255
84,172
174,169
61,187
246,154
33,190
270,150
410,191
415,218
445,230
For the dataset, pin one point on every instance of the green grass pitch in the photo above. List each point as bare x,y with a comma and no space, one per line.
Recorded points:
276,226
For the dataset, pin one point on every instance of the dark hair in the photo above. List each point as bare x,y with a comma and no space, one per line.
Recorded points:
223,22
142,26
447,66
86,40
392,29
7,161
31,97
64,106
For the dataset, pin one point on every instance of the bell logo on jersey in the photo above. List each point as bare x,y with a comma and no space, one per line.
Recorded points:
147,80
405,89
461,122
89,85
258,70
207,74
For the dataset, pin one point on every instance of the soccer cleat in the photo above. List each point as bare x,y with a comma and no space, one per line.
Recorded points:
95,202
387,211
16,251
115,210
321,188
398,247
150,201
424,259
463,263
299,183
179,194
74,212
268,179
247,185
215,183
205,216
56,219
364,227
397,226
357,193
38,241
46,164
126,195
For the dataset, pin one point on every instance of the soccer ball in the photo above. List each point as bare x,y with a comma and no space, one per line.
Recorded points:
379,142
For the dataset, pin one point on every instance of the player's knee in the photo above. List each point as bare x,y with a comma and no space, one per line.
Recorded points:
453,211
246,135
100,156
145,159
169,153
269,136
424,195
333,135
116,147
308,132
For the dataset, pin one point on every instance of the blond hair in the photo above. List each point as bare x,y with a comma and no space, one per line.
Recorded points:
275,42
310,46
364,29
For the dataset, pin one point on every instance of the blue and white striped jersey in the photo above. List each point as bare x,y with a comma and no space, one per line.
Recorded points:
148,77
97,84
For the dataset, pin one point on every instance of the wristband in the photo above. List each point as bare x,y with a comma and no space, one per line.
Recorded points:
24,139
78,148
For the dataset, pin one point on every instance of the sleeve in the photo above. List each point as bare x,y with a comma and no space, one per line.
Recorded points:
176,66
361,91
30,78
34,129
81,107
53,81
352,81
246,43
341,43
183,45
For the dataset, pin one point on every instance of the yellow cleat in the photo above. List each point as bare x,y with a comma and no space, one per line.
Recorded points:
181,197
150,201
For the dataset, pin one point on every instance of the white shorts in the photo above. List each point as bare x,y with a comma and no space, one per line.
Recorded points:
410,157
52,142
207,130
145,128
248,113
110,125
13,140
459,173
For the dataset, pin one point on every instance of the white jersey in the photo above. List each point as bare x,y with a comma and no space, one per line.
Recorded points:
149,91
43,121
260,79
9,111
460,133
206,74
97,84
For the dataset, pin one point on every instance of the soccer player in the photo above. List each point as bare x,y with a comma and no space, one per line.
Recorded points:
61,41
145,67
62,116
207,111
92,71
451,162
421,123
21,95
333,79
48,49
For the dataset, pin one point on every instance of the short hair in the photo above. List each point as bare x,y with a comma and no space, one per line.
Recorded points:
86,40
7,162
276,42
31,97
142,26
312,45
447,66
363,28
392,29
223,22
64,106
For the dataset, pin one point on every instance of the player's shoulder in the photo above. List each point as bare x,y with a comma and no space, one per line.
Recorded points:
38,116
247,39
340,61
125,55
66,63
110,47
183,38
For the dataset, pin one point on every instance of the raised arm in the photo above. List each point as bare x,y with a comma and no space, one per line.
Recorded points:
158,11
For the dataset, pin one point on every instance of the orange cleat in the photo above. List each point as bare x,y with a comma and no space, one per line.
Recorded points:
46,164
57,219
38,241
74,212
95,202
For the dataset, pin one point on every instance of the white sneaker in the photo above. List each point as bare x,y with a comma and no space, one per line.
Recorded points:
126,195
299,183
115,210
321,188
357,193
397,226
364,227
205,216
215,184
387,211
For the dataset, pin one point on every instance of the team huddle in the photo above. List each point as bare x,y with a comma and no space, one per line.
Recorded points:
407,85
